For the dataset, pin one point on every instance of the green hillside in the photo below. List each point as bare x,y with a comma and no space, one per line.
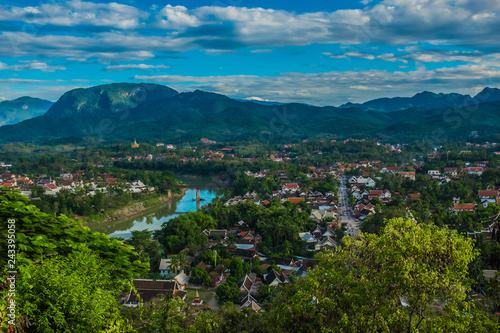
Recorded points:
152,113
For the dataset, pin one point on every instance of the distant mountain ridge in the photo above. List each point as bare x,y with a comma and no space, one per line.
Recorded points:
109,98
22,108
427,100
151,113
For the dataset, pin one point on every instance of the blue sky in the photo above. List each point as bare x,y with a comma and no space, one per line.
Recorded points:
316,52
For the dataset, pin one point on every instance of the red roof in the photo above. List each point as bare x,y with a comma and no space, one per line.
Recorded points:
415,196
464,206
487,193
295,200
292,185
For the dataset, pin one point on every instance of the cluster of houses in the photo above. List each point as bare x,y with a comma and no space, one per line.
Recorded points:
253,197
362,181
207,141
489,197
319,239
245,247
206,155
362,210
69,181
167,146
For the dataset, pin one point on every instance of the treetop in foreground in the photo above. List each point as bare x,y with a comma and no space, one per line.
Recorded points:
413,278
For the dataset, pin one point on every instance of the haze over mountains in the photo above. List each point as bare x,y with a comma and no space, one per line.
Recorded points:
152,113
22,108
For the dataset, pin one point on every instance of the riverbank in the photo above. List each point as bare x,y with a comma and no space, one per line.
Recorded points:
153,218
132,209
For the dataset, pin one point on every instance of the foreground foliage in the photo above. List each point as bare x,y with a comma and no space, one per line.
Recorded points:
411,278
65,272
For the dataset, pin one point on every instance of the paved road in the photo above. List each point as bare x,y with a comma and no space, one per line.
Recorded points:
346,211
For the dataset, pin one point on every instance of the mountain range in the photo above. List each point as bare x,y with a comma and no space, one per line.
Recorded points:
151,113
427,100
22,108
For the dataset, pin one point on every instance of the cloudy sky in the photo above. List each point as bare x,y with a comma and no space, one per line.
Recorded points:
320,52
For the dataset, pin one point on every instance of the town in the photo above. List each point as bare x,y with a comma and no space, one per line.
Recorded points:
282,207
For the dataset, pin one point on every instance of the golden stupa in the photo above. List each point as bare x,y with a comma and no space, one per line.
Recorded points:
135,144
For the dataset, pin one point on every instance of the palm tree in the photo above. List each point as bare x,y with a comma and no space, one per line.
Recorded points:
174,264
182,261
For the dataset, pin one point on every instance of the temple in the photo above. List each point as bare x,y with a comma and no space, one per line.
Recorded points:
197,300
135,144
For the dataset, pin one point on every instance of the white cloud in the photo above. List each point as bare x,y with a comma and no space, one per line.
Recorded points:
176,18
29,65
133,66
360,87
350,54
74,13
177,29
446,56
113,33
316,88
360,55
256,98
262,51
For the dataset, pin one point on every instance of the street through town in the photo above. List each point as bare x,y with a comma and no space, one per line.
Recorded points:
346,213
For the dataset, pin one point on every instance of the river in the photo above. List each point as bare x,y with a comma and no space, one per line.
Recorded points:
155,217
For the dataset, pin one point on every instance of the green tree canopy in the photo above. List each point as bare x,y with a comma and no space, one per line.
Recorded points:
185,231
74,293
410,278
46,244
228,291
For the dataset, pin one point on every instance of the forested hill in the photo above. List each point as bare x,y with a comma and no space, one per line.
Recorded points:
428,101
152,113
22,108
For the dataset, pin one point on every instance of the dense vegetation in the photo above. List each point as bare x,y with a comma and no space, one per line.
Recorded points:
60,265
